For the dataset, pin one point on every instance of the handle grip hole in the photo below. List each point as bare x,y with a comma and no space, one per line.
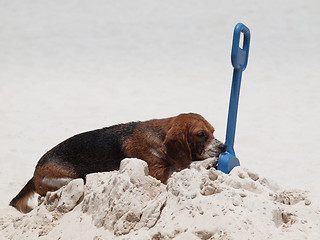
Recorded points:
241,40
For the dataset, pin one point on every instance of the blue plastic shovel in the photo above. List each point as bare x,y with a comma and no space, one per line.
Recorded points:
239,59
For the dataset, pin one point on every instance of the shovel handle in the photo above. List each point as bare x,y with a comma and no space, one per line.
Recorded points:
239,59
239,54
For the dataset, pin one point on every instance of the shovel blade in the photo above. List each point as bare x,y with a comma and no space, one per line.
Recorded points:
227,162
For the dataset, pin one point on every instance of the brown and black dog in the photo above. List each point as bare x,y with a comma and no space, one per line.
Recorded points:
167,145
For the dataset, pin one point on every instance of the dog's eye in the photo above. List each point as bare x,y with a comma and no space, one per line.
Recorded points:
201,134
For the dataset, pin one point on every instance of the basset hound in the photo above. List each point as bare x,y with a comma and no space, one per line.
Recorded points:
167,145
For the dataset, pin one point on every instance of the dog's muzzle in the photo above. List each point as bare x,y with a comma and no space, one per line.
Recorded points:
214,148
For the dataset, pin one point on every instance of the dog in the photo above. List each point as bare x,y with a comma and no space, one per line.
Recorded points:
167,145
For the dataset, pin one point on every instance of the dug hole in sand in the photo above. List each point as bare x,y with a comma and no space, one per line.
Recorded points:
195,204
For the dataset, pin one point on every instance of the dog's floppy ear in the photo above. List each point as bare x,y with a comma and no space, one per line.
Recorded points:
177,149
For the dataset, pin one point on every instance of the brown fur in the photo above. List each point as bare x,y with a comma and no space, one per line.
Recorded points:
50,170
21,200
173,139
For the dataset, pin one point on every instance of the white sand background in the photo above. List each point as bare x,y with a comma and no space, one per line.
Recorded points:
73,66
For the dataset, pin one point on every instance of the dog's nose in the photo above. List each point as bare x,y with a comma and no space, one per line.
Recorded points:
222,147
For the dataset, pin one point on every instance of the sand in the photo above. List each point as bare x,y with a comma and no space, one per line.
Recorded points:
196,203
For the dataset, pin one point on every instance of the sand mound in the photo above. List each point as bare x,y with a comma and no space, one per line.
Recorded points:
195,204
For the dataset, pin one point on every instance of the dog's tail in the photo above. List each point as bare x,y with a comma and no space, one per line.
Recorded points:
20,201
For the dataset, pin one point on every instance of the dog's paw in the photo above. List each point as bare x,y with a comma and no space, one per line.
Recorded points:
206,163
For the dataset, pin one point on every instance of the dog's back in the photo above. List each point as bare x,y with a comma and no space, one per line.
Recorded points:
94,151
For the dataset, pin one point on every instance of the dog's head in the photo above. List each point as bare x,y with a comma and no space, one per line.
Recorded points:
190,138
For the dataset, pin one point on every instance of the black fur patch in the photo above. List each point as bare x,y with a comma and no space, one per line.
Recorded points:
94,151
